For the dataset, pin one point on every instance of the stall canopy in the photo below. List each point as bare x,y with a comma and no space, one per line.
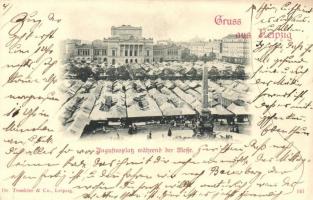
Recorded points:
220,110
238,110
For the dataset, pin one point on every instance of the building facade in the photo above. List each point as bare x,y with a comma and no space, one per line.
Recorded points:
235,49
202,47
167,51
126,45
69,48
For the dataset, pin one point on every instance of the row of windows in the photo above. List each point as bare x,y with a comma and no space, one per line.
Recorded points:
131,53
132,47
83,52
103,52
100,52
157,53
97,52
172,52
135,60
130,61
162,52
235,46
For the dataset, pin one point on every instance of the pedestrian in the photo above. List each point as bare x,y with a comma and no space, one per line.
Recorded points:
130,130
149,136
169,133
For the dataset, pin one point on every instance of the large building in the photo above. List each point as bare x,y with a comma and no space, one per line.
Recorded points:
200,47
69,48
126,45
167,51
235,49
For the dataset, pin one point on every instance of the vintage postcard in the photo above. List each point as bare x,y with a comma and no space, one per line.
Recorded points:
154,100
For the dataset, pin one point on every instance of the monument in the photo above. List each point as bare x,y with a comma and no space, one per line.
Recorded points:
206,120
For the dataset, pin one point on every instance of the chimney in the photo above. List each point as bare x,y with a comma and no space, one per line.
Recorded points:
205,103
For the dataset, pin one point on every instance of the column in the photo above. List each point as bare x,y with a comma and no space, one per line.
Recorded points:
140,50
132,50
121,50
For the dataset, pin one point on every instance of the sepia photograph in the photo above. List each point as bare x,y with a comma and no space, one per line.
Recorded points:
126,84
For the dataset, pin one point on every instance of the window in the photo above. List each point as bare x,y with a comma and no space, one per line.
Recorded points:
126,61
135,53
97,52
131,60
86,52
126,53
113,52
130,53
147,52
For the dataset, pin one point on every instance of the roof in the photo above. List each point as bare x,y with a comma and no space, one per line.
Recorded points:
116,111
83,46
126,27
220,110
238,110
80,121
233,37
150,109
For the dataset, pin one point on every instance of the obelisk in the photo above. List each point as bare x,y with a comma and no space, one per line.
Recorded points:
206,120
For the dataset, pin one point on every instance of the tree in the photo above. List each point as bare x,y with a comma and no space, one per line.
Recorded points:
205,58
110,72
97,71
208,57
239,72
73,69
167,72
187,57
122,72
213,72
84,73
227,72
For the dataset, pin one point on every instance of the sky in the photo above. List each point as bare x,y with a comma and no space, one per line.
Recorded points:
161,20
